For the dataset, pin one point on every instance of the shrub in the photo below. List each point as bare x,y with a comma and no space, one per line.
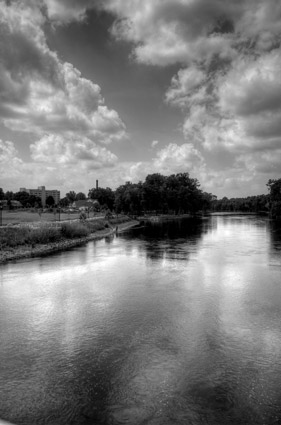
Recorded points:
93,226
44,234
13,236
74,230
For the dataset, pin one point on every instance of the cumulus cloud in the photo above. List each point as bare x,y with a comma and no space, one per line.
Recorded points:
58,149
228,85
65,11
9,154
38,92
178,158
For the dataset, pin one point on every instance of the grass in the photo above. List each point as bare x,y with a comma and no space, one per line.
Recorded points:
11,237
29,216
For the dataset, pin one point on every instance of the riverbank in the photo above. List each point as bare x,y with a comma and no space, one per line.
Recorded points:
38,250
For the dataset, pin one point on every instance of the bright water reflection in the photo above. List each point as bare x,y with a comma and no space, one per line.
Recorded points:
162,325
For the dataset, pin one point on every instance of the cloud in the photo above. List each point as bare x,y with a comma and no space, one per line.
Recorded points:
8,154
171,31
41,94
66,11
57,149
154,143
178,158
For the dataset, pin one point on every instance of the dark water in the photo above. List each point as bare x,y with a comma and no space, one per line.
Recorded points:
172,324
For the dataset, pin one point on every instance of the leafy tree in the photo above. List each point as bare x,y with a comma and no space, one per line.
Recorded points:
71,196
34,201
50,201
64,202
2,195
153,191
177,193
275,197
128,197
22,197
9,195
80,196
104,196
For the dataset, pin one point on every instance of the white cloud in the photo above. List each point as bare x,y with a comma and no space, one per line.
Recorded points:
58,149
38,92
65,11
174,159
8,155
154,143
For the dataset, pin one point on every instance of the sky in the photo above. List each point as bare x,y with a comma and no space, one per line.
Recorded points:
114,90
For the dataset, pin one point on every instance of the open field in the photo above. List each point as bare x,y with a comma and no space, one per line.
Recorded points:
16,217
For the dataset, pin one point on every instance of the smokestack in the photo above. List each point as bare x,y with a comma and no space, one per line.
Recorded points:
97,184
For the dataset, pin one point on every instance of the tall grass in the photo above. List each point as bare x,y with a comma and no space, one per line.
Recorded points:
11,237
14,236
74,230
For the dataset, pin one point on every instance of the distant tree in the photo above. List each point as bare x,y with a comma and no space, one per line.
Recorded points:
9,195
71,196
80,196
154,191
274,187
128,198
2,195
50,201
34,201
64,202
104,196
22,197
177,193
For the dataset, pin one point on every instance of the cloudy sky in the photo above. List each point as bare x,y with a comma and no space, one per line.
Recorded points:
116,89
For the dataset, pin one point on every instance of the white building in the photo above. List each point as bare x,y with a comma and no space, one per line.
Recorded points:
43,194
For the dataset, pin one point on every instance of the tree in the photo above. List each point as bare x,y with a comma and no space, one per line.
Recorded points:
9,195
104,196
80,196
64,202
71,196
34,201
2,195
22,197
153,191
50,201
275,197
128,198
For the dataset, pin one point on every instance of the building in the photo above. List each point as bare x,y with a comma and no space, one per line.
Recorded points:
43,194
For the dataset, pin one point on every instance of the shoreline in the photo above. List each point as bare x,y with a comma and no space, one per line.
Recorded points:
40,250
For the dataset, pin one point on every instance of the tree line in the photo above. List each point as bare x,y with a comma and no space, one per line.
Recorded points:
173,194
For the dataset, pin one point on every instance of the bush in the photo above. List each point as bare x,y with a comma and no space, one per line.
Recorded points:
44,234
93,226
13,236
74,230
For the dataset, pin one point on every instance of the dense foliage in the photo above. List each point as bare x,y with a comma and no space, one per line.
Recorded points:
26,200
174,194
275,197
256,204
105,197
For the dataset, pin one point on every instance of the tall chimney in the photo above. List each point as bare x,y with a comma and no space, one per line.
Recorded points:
97,184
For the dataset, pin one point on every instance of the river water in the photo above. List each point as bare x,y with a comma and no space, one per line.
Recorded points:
176,323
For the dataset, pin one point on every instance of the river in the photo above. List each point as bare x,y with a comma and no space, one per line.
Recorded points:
173,323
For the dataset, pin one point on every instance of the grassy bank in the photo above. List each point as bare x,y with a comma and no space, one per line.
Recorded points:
25,241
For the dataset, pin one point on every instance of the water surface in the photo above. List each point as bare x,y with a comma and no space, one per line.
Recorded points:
168,324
